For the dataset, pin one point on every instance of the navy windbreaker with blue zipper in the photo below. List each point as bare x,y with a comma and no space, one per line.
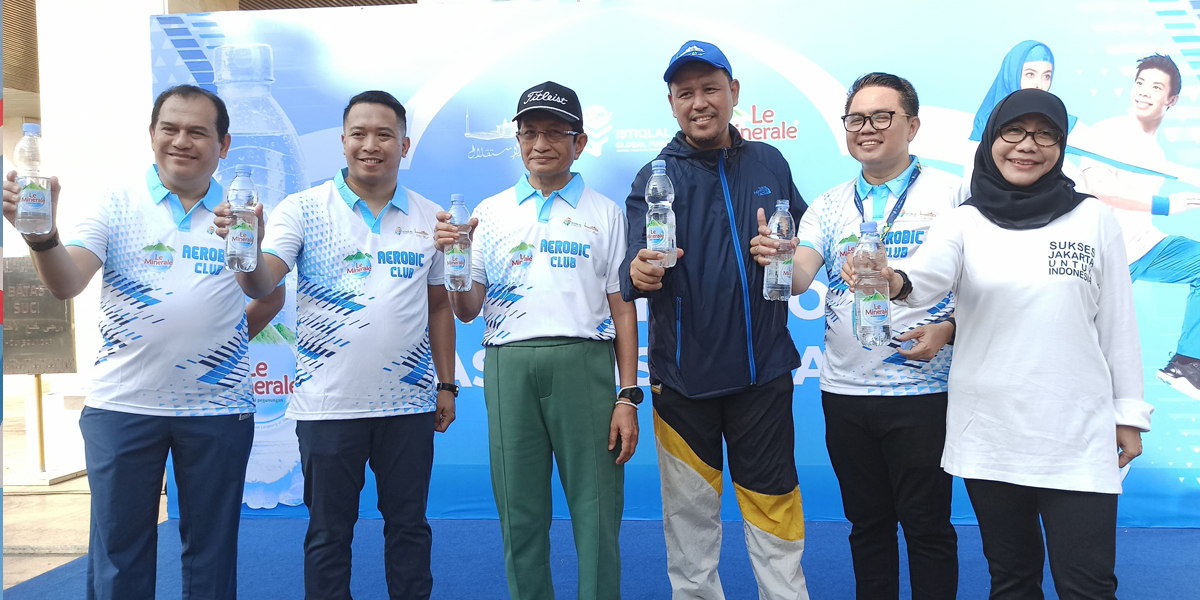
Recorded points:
711,331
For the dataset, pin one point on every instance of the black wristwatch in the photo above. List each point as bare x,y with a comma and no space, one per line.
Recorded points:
632,393
453,389
953,334
905,288
44,245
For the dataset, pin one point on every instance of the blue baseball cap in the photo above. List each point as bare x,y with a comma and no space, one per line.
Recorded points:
693,50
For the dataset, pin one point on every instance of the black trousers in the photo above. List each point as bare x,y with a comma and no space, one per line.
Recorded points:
886,452
1081,535
333,456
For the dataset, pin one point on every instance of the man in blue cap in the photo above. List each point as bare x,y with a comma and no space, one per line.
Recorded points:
720,362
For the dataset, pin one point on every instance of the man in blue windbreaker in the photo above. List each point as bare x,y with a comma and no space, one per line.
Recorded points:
720,355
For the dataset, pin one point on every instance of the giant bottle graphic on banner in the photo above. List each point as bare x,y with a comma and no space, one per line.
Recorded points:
265,140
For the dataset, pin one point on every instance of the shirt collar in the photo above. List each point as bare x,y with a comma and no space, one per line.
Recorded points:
159,192
571,192
895,186
399,197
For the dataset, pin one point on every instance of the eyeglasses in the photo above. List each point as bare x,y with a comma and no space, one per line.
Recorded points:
553,136
880,120
1015,134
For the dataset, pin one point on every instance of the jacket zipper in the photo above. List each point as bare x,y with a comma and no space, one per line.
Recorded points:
678,332
737,248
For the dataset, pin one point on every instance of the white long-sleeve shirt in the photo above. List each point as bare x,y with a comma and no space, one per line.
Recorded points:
1046,357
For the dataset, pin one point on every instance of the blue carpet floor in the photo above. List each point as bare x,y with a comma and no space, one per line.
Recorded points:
468,563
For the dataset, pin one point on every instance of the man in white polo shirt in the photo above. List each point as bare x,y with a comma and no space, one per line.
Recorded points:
545,260
885,406
374,326
172,372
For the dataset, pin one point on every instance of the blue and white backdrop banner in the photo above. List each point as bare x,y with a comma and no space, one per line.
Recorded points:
287,74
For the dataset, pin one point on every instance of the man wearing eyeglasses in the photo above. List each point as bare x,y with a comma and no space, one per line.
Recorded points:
885,406
720,355
545,258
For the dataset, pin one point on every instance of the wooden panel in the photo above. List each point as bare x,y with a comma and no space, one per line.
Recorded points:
20,45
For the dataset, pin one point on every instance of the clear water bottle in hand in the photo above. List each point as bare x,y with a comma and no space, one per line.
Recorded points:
458,254
35,213
872,296
777,282
660,219
241,243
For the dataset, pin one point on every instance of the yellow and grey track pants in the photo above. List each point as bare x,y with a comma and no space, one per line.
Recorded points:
757,427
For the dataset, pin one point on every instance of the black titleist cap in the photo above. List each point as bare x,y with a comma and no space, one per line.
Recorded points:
556,99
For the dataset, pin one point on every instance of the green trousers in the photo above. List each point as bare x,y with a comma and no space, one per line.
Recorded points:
555,397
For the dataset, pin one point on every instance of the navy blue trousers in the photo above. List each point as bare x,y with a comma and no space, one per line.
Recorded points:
126,457
333,456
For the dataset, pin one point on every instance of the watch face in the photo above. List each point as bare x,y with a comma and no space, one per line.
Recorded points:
634,395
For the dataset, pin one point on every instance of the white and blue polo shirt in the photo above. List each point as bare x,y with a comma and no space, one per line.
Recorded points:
831,226
172,318
362,301
549,263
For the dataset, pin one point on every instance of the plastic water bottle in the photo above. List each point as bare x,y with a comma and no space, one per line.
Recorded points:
458,254
35,213
872,297
241,244
265,140
777,283
660,220
263,137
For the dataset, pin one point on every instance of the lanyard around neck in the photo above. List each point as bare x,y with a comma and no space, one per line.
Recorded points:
896,209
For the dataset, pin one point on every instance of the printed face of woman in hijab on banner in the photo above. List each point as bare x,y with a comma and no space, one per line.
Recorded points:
1029,65
1018,181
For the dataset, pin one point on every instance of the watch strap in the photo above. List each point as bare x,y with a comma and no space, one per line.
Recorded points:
448,387
631,393
905,288
43,245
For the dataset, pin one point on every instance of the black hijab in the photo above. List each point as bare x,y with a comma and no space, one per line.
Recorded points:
1033,206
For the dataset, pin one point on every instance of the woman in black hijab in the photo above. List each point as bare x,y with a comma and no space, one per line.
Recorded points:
1045,392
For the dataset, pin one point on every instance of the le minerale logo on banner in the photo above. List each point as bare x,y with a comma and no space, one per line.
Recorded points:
359,264
764,124
159,257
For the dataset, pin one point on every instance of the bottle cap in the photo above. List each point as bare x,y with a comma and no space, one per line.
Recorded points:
31,129
243,62
456,198
782,203
658,166
908,344
242,170
868,227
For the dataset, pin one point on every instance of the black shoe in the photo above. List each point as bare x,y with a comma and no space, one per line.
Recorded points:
1183,375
